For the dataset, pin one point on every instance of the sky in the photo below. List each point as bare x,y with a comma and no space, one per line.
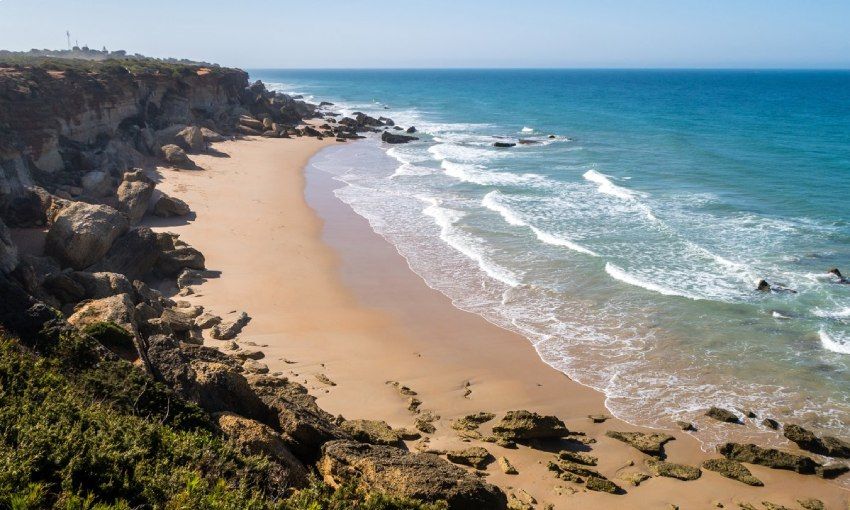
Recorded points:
441,33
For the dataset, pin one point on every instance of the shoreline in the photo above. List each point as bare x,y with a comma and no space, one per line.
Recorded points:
328,293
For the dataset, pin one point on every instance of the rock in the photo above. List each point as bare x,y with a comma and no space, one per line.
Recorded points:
230,326
372,432
807,440
811,504
831,470
8,250
175,255
650,444
102,284
255,367
177,320
257,438
763,286
578,457
671,470
472,421
207,320
134,198
64,287
411,129
506,466
97,184
732,469
211,136
724,415
476,457
504,145
634,478
597,484
134,254
118,310
250,354
175,155
525,141
423,425
191,139
394,138
573,467
393,471
251,123
189,277
598,418
770,423
82,234
686,426
168,206
525,425
770,457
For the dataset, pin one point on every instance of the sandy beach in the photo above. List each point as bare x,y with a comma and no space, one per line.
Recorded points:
328,297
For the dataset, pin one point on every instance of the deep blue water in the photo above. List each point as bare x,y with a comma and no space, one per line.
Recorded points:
627,247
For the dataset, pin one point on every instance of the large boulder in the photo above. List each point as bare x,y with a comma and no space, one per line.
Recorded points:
770,457
259,439
102,285
134,198
304,425
372,432
176,255
175,155
97,183
191,139
8,251
82,233
394,471
118,309
230,326
525,425
474,456
168,206
392,138
134,254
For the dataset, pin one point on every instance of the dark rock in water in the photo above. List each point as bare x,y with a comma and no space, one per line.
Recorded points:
807,440
392,138
325,103
770,457
411,129
524,141
724,415
831,470
770,423
650,444
732,469
763,286
397,472
552,137
525,425
386,121
686,426
841,279
504,144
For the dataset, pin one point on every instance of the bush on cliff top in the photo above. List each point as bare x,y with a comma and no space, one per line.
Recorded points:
79,432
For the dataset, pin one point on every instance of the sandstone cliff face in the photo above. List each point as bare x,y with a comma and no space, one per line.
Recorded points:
57,125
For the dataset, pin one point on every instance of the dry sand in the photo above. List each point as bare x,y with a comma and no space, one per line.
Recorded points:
329,296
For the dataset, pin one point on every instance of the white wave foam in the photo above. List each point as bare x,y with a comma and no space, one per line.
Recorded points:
620,274
832,314
491,202
477,174
834,342
608,187
781,316
527,130
560,241
446,218
407,169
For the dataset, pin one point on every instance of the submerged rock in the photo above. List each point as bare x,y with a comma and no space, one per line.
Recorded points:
396,472
770,457
732,469
724,415
650,444
504,145
525,425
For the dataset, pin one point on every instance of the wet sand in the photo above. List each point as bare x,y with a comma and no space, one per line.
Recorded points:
329,296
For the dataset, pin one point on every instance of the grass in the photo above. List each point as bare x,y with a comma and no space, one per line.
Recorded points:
80,432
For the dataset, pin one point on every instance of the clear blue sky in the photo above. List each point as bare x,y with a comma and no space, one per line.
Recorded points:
439,33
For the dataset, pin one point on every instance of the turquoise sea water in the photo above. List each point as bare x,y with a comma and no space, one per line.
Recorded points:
628,247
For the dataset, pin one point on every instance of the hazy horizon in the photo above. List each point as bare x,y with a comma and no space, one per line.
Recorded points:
336,35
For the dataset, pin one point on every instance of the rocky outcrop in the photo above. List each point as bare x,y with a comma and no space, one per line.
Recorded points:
82,234
230,326
372,432
724,415
650,444
166,207
134,195
394,471
474,456
395,139
672,470
732,469
8,250
525,425
807,440
770,457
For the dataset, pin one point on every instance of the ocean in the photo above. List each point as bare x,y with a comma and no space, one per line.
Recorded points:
626,237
